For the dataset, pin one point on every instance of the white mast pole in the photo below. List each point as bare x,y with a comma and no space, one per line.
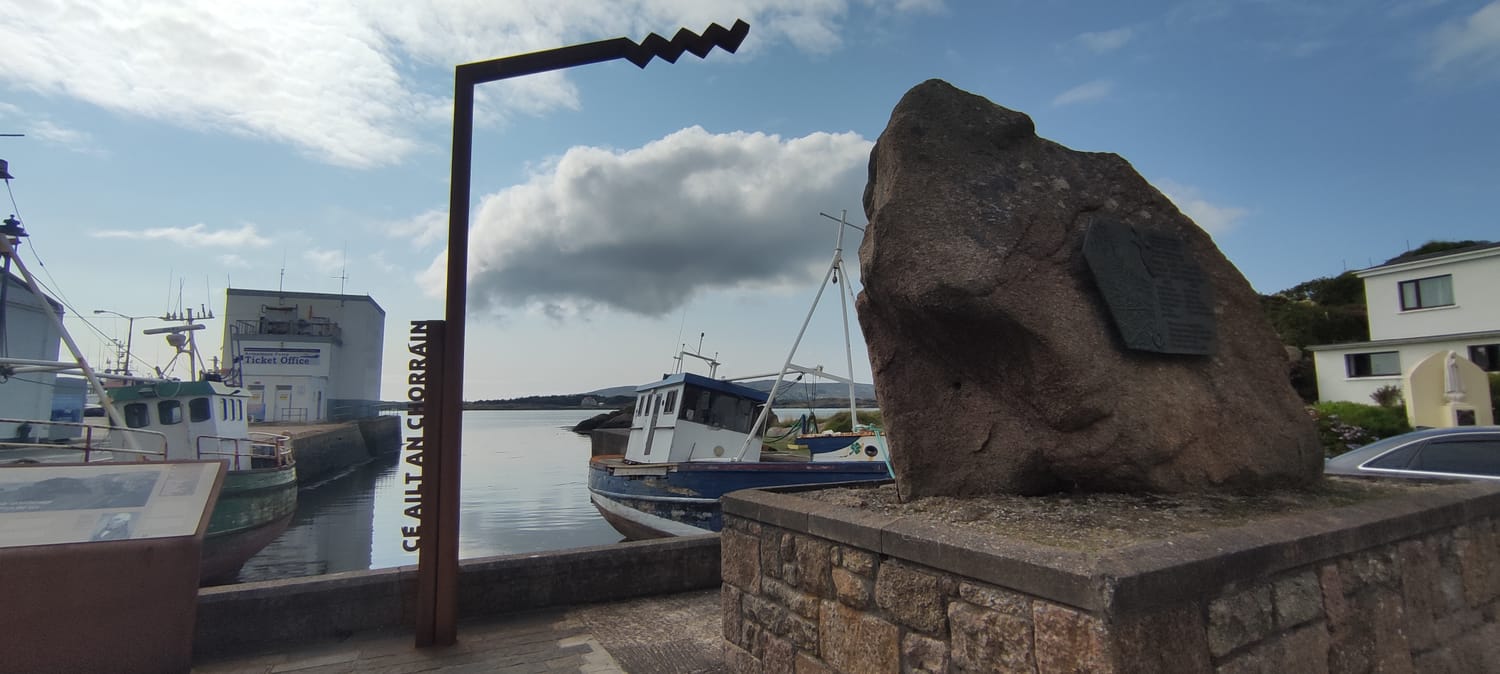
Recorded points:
88,373
771,397
838,259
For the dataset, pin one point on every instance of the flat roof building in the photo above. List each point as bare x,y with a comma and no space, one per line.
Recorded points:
304,356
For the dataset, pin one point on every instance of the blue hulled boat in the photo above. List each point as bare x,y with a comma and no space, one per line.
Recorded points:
695,438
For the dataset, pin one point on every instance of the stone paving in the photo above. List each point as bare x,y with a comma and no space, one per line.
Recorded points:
674,634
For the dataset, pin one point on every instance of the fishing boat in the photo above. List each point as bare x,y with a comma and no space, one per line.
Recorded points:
154,420
694,438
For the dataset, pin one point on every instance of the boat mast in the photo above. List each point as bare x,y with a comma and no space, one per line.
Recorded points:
838,260
8,239
833,266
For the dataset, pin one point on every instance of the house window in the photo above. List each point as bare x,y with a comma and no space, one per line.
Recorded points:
1423,293
1486,356
1381,364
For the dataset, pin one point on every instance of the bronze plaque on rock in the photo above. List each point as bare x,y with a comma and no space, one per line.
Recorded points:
1158,296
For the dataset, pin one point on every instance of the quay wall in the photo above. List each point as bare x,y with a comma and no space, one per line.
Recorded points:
256,617
382,434
325,450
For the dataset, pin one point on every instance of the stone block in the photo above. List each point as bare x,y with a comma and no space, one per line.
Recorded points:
1371,637
1479,563
729,602
1419,589
1368,567
753,637
739,661
852,589
1301,651
998,599
1298,599
807,664
858,561
1332,584
770,554
1168,639
814,564
911,596
923,654
801,603
989,641
851,641
1238,619
778,656
740,560
766,613
1068,641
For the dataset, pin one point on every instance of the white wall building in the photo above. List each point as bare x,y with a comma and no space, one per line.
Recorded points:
1417,307
28,333
304,356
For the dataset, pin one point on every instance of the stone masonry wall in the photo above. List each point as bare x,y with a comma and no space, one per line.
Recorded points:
795,602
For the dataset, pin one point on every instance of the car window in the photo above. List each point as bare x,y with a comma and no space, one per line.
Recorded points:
1470,457
1396,459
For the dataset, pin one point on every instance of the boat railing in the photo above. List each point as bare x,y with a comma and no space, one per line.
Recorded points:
243,453
49,441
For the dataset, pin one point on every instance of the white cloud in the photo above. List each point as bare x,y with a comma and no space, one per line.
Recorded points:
320,260
233,261
333,78
1083,93
194,236
1213,218
72,139
1105,41
423,229
642,230
1475,41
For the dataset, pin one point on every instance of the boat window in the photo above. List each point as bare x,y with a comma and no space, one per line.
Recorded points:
224,408
137,416
239,409
169,412
200,409
671,402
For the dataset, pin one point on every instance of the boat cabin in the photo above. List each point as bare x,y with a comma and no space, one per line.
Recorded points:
689,417
200,419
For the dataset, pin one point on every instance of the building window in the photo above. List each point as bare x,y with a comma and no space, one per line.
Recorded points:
1486,356
1381,364
1424,293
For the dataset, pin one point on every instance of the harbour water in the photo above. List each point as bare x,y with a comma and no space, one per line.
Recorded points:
524,489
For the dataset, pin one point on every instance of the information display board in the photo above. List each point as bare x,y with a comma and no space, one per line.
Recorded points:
44,504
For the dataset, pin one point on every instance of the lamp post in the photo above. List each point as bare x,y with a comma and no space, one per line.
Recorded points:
437,584
129,333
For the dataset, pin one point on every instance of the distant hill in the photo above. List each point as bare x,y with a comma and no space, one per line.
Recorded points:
791,392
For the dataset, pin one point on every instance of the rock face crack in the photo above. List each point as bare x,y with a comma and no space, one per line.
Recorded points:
975,274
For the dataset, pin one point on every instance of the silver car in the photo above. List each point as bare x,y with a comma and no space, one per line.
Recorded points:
1465,452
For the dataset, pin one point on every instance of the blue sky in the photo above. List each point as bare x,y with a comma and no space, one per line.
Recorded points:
175,148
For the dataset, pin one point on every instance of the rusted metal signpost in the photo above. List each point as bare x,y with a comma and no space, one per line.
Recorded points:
437,598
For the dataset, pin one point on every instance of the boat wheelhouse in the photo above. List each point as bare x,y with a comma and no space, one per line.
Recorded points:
689,417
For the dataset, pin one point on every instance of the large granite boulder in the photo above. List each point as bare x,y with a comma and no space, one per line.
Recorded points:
1043,319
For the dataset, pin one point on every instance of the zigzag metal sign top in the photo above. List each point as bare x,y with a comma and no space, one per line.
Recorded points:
640,54
685,40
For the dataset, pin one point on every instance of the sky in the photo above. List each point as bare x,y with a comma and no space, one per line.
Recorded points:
173,149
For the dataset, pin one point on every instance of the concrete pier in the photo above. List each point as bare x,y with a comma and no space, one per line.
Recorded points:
325,450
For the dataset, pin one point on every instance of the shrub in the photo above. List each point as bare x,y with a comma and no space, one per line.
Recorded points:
1345,425
1387,396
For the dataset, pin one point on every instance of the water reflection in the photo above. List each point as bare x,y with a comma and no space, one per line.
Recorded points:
524,490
